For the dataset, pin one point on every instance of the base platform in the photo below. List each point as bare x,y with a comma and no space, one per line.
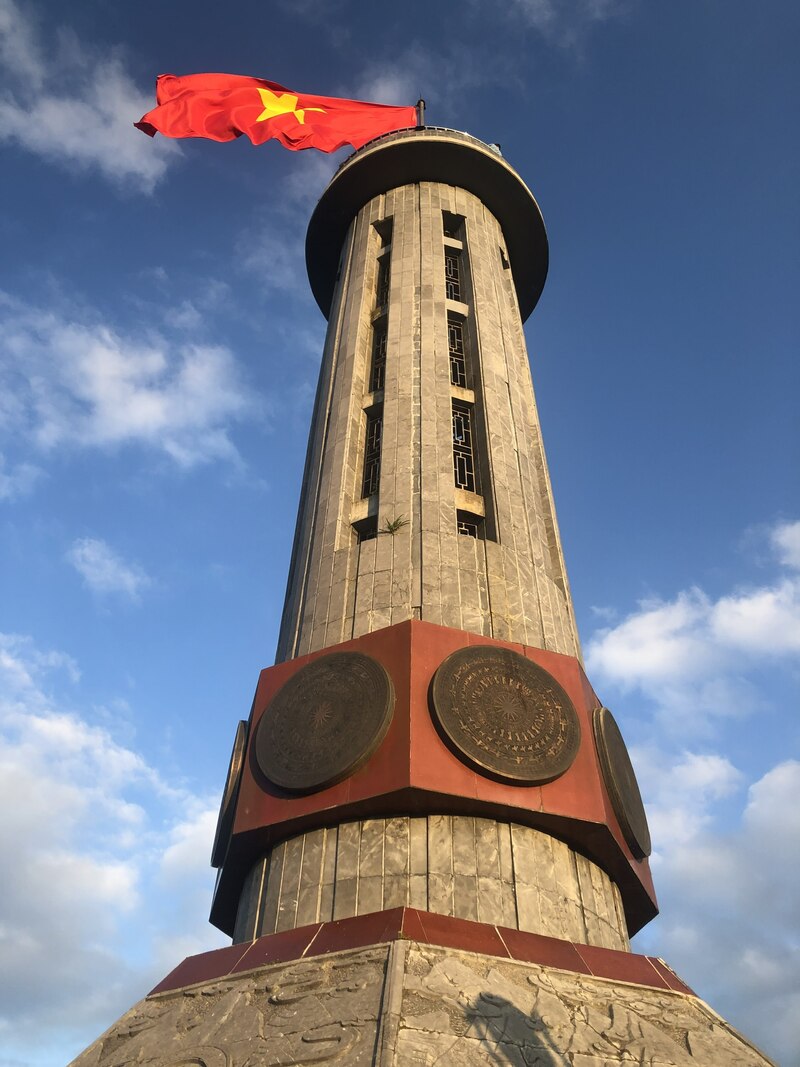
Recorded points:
410,989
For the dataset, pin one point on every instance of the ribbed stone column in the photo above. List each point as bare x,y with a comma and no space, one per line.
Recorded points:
509,582
490,872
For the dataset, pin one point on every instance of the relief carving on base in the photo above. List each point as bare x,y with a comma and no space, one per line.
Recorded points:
472,1011
314,1011
455,1008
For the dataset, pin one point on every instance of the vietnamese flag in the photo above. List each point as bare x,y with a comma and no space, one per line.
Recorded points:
225,106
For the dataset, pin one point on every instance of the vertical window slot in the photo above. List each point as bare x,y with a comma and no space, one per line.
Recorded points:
377,371
458,355
372,453
452,274
382,285
463,451
452,225
469,525
366,529
383,228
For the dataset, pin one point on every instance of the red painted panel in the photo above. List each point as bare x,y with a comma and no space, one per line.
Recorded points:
548,951
624,966
414,771
426,928
277,948
204,967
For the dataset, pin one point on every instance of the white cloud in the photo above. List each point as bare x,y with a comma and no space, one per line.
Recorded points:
763,621
400,78
725,842
19,45
271,250
88,827
184,317
75,108
566,22
691,655
274,256
104,571
187,854
680,791
786,543
732,910
77,381
18,480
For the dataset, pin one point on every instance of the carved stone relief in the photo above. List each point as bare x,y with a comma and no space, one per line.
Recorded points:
473,1010
311,1011
441,1008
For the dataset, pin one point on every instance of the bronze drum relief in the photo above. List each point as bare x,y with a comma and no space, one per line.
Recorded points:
620,780
324,722
505,715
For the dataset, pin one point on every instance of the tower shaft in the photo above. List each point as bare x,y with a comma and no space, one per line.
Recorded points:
425,353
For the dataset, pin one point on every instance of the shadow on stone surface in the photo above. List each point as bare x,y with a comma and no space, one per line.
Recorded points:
509,1037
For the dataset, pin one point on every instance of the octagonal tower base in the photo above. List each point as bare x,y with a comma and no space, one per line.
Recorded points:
387,990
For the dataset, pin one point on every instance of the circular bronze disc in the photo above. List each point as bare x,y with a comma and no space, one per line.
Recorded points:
621,783
227,808
325,722
505,714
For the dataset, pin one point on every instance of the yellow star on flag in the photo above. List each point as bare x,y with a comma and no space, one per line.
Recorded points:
282,104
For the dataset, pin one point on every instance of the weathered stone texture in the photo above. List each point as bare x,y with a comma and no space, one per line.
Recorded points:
314,1011
512,585
470,1010
408,1005
479,869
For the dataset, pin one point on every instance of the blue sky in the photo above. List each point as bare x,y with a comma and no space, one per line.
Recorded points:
158,356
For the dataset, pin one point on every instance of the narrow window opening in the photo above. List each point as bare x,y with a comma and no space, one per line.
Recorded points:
463,451
452,274
383,228
458,355
372,453
451,225
504,259
469,525
366,529
382,286
377,372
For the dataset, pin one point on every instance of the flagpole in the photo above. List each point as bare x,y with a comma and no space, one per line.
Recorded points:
420,112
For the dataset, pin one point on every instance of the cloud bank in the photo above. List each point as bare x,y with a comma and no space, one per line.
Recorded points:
693,655
94,831
74,108
104,572
71,379
725,848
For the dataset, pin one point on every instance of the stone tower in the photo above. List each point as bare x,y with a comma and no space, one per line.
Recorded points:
431,845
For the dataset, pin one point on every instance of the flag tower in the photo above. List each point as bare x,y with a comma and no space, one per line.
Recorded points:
431,845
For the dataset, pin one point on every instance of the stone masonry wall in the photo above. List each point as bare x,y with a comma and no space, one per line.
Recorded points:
411,1005
479,869
512,585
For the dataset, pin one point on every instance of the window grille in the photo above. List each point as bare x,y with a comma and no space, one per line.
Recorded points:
452,274
467,525
463,454
382,293
458,359
372,454
377,372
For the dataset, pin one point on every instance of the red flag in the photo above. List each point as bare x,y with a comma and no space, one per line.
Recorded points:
225,106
